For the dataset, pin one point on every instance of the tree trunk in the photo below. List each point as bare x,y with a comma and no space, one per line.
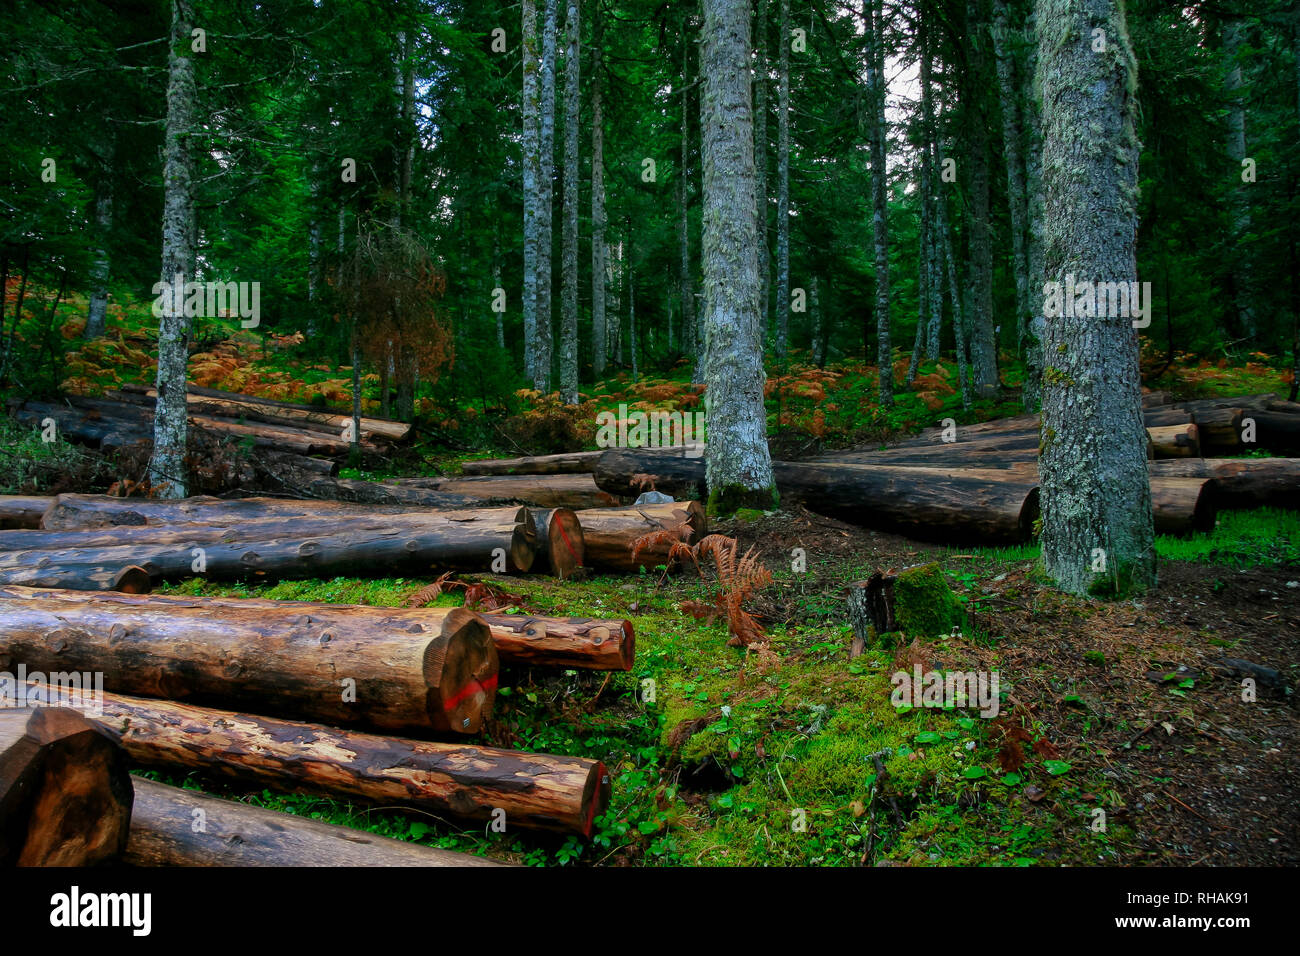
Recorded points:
980,319
1096,498
65,789
97,311
599,221
1031,393
542,344
739,466
531,162
783,189
874,29
164,833
332,665
760,165
685,282
1233,87
549,491
569,239
1009,100
167,467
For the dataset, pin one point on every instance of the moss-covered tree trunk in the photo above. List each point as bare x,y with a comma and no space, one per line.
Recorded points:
167,464
739,468
1095,496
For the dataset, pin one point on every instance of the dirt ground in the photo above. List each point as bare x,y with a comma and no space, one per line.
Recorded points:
1148,691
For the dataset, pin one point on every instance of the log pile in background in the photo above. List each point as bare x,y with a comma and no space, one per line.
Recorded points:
65,789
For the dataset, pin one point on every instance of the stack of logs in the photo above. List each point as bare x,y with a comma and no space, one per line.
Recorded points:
979,483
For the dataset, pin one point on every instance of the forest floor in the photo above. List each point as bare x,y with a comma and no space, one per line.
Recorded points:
766,758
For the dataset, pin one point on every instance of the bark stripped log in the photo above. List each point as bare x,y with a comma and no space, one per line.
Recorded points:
321,663
584,643
23,511
536,791
65,789
163,833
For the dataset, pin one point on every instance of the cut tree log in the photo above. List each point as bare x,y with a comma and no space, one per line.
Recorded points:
349,490
332,420
548,491
163,833
65,789
323,664
1175,441
1278,432
570,463
1241,482
1156,399
582,643
535,791
39,569
618,471
929,504
1183,505
609,533
1219,430
500,539
82,512
561,544
23,511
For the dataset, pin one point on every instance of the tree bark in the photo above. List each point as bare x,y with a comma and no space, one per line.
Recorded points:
599,220
569,238
1096,497
980,318
163,833
65,789
543,343
873,18
327,664
167,466
739,466
531,162
783,188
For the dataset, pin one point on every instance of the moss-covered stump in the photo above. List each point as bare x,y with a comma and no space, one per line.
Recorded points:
888,609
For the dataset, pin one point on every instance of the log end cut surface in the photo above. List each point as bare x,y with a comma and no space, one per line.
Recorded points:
461,672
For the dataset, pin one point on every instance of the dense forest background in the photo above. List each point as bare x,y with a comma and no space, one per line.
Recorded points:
334,134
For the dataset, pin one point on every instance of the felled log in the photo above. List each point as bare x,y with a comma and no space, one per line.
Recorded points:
571,463
549,491
1175,441
324,664
932,504
65,789
206,401
395,496
560,542
1219,430
490,539
23,511
45,569
74,425
609,533
618,471
1183,505
165,831
1241,482
81,512
1156,399
1162,415
1278,432
535,791
583,643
